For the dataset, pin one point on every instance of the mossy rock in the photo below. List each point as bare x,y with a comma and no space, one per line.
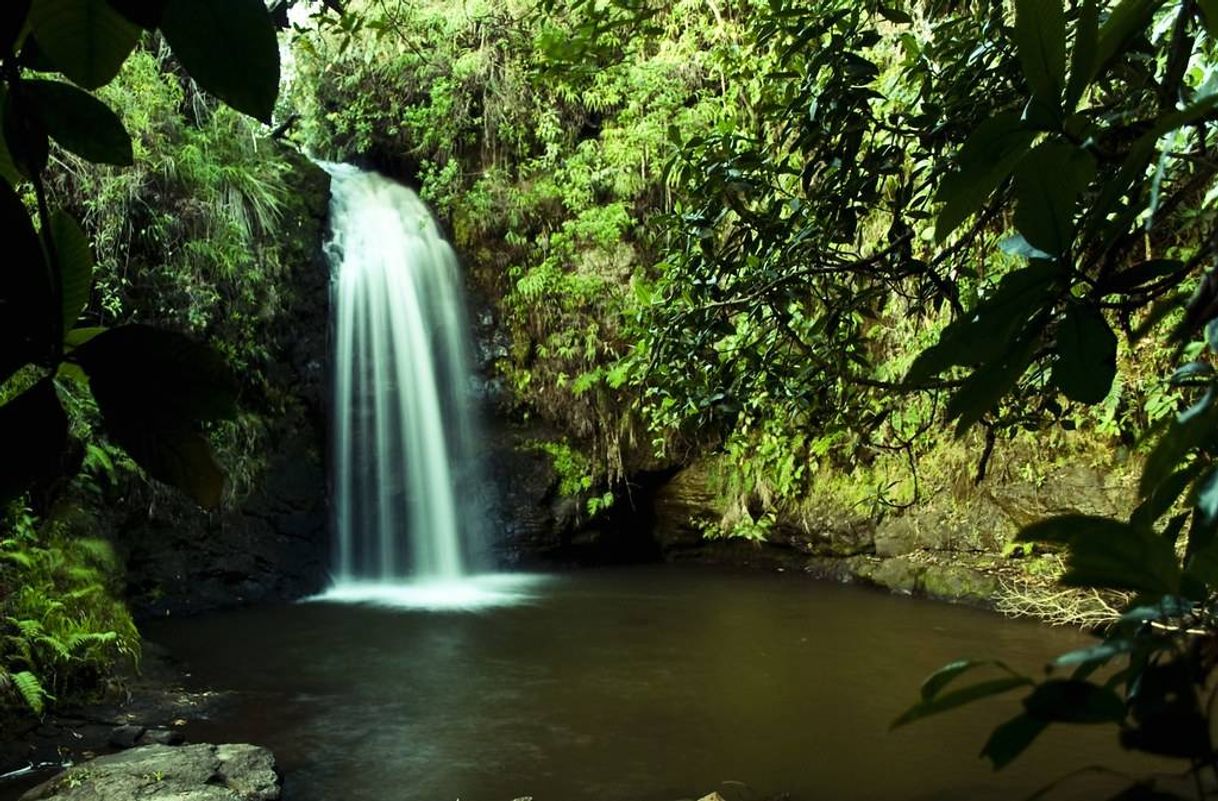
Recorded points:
958,583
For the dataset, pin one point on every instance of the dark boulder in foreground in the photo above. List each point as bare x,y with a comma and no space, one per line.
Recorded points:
163,773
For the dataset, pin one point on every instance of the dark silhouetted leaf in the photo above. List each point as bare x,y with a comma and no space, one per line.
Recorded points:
24,134
1164,496
1141,275
985,332
1072,701
937,681
1048,183
966,695
1128,20
1145,792
1040,36
985,160
1110,554
1011,739
169,376
230,48
1185,432
86,39
75,266
8,168
987,385
1083,61
1086,355
34,438
12,20
145,13
80,123
1209,12
152,388
25,294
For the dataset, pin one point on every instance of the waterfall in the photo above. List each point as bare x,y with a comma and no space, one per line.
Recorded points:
409,494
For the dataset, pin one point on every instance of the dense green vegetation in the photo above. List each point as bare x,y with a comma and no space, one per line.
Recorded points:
93,393
820,245
872,221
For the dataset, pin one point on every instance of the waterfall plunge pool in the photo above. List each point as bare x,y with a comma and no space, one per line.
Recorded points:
642,684
465,593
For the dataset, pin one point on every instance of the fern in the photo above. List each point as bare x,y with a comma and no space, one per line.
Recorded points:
30,689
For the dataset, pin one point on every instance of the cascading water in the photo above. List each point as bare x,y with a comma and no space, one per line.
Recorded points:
409,493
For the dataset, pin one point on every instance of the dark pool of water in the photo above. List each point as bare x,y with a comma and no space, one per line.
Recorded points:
627,685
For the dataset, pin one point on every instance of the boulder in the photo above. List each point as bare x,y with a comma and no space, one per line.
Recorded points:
199,772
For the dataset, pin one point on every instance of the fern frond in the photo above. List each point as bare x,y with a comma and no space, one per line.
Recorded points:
30,689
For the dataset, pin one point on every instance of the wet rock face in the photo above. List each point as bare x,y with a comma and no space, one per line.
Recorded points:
275,543
163,773
948,546
530,522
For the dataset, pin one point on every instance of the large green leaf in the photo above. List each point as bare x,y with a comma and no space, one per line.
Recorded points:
25,292
86,39
1048,183
145,13
1083,61
1110,554
34,433
1011,739
985,161
1086,355
170,377
153,387
937,681
230,48
985,333
1188,430
75,266
1129,19
1164,495
12,21
1040,37
178,457
982,390
8,168
80,123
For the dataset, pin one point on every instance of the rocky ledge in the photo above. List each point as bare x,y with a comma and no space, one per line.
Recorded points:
200,772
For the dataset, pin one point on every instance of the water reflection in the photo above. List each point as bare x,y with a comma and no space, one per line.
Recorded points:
640,685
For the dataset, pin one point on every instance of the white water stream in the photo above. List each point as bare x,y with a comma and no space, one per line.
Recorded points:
409,492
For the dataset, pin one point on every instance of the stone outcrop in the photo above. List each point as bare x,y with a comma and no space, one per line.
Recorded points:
950,545
163,773
274,543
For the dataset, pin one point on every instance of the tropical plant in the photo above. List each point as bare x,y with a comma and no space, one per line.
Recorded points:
154,388
62,627
1102,169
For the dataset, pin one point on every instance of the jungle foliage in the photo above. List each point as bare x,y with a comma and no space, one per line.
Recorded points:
883,217
138,211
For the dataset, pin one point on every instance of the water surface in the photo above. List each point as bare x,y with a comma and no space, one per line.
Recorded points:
628,685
